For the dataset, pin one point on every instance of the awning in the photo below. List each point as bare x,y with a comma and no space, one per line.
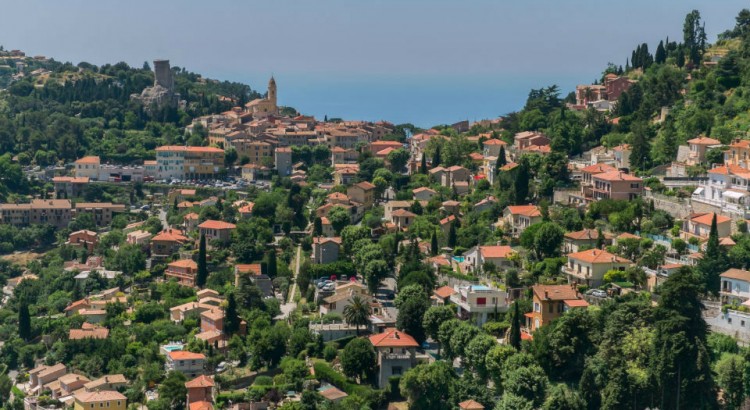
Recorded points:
733,194
698,191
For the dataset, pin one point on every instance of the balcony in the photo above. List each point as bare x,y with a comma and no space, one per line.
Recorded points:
572,272
396,356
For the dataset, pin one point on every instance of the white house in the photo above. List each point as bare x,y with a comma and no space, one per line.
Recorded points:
735,285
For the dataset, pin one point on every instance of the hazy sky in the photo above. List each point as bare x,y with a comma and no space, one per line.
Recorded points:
332,42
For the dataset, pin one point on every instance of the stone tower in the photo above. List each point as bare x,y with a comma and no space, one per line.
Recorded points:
163,74
272,91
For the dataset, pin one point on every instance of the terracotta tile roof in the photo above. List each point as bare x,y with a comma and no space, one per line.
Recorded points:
333,393
727,241
740,144
509,166
323,240
185,355
616,176
191,216
247,209
392,337
626,235
189,149
248,268
88,160
598,168
184,263
338,196
448,219
212,224
200,381
99,396
444,292
496,251
201,405
526,210
72,180
702,140
365,185
555,292
170,235
422,189
495,141
707,219
583,235
107,379
597,256
97,333
738,274
403,212
470,405
72,378
576,303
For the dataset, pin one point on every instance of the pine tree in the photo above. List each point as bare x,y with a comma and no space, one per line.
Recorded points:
436,161
514,337
200,279
423,166
174,205
24,322
640,148
434,244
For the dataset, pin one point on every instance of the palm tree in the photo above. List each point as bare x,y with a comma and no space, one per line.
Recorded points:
357,313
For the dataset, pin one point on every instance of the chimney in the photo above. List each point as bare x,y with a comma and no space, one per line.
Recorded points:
546,294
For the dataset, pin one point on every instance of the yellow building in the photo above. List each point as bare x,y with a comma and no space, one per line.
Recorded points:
105,399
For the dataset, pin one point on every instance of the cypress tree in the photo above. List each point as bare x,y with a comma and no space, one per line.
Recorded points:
232,321
200,279
271,263
317,226
452,235
501,159
515,328
661,54
521,184
599,238
714,261
434,244
423,166
24,322
436,157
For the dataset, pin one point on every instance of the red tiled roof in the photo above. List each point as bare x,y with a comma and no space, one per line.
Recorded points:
185,355
616,176
470,405
212,224
392,337
702,140
88,160
707,219
555,292
738,274
526,210
598,168
189,149
597,256
184,263
403,212
496,251
200,381
444,291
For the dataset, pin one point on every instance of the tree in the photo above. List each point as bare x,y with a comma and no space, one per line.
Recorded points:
521,183
452,235
271,269
433,244
714,261
358,358
6,384
173,391
317,226
476,354
423,165
24,322
694,36
561,397
529,382
398,159
510,401
495,361
357,313
730,377
661,54
514,337
640,147
436,161
231,316
428,386
436,316
202,274
501,158
339,218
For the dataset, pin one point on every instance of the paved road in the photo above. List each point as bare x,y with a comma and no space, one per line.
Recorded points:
288,307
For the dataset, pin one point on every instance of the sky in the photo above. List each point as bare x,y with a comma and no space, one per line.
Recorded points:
419,61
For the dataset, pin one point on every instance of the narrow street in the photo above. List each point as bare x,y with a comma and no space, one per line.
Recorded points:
290,305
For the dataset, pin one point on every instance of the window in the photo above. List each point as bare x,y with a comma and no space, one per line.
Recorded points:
397,370
537,307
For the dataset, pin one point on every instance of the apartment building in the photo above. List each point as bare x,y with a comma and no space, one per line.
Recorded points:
179,162
396,352
588,267
478,302
616,185
188,363
184,270
57,212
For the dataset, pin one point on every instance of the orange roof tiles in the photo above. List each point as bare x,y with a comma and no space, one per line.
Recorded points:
598,168
170,235
496,251
526,210
470,405
392,337
616,176
495,141
444,291
702,140
212,224
189,149
248,268
555,292
99,396
738,274
88,160
185,355
184,263
597,256
707,219
583,235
